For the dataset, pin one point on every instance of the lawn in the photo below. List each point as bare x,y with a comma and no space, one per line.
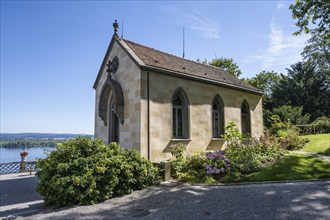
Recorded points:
319,144
295,166
292,167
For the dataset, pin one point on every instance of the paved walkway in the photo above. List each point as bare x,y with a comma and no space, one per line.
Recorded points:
172,200
320,156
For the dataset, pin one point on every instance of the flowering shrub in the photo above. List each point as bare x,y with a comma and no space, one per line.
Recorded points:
217,163
242,156
249,154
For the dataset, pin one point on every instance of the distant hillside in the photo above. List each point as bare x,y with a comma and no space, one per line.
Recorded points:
24,136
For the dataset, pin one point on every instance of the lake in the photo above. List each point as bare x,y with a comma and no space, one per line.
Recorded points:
13,154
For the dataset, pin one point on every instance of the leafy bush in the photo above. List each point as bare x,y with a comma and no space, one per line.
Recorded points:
292,140
232,133
83,171
242,156
288,134
322,125
249,155
278,127
179,162
294,114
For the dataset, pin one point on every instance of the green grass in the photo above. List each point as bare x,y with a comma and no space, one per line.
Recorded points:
319,144
292,167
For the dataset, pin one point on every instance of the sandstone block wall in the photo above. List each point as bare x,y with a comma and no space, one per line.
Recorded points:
129,77
200,97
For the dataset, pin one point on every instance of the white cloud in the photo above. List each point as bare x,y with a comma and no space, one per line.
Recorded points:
195,21
280,5
283,50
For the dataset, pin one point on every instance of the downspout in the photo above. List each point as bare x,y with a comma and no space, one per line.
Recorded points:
148,115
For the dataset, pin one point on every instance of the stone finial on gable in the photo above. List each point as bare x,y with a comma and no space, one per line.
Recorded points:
115,28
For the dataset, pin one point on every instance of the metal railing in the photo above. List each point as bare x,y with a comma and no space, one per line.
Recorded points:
17,167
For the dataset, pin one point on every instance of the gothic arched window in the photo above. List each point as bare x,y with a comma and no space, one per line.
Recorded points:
218,119
245,118
180,114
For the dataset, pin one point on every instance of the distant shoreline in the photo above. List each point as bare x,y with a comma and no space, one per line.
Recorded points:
39,136
28,143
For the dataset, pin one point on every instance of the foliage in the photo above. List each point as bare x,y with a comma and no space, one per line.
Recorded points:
179,162
178,150
292,167
319,126
292,141
305,86
288,134
28,143
228,65
277,126
191,168
248,155
317,51
265,81
251,155
317,11
83,171
318,143
232,133
322,124
291,114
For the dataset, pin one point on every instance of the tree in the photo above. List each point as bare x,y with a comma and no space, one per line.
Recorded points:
318,11
318,51
294,115
227,64
305,86
318,46
266,81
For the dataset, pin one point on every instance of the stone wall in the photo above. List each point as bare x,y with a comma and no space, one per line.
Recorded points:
200,97
129,77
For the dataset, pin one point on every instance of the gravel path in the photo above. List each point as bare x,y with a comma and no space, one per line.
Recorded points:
172,200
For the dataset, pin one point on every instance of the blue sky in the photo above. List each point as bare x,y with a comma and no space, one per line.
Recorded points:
51,51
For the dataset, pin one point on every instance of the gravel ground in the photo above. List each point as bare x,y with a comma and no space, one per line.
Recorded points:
172,200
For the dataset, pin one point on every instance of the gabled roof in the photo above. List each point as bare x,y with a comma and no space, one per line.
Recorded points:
155,60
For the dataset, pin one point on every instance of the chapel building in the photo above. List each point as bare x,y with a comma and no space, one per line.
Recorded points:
149,100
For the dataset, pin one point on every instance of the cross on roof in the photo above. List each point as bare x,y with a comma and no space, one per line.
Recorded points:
115,28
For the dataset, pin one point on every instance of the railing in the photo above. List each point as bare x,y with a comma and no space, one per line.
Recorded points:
17,167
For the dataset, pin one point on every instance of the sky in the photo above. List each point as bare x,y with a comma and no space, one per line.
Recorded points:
51,51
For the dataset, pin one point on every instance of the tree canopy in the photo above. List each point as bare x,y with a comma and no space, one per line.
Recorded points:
316,11
227,64
305,86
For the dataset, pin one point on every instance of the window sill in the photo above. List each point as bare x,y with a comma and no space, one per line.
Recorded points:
218,139
180,140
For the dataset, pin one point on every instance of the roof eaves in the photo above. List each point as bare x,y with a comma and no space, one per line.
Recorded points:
201,79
